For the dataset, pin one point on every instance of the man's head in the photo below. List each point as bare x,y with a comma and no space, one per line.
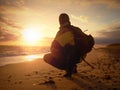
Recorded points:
63,19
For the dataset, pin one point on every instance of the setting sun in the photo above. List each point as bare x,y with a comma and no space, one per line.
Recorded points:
31,35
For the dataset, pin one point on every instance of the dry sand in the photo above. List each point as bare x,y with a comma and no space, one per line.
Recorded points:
38,75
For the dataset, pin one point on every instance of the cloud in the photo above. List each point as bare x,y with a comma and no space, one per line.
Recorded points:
81,18
7,36
11,3
7,12
110,34
57,3
107,3
9,22
110,3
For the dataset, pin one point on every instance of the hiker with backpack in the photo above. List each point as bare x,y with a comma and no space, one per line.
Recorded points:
68,47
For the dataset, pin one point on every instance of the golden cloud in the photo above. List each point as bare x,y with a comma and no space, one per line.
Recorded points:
83,19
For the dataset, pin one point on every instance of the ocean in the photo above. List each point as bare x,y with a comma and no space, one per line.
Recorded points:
17,54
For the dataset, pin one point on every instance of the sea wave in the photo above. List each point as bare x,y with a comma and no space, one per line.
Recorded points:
6,51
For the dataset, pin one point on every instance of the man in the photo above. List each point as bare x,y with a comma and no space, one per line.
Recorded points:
63,50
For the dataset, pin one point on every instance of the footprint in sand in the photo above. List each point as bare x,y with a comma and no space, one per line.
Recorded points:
9,77
48,82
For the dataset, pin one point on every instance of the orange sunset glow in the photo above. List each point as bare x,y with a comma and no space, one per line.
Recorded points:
28,22
59,44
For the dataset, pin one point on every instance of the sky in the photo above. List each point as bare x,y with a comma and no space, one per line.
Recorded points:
35,22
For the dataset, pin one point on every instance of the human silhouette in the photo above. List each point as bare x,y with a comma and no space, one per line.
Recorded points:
63,48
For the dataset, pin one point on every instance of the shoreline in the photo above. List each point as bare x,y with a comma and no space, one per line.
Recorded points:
18,59
9,59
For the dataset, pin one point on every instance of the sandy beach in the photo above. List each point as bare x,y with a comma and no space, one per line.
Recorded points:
38,75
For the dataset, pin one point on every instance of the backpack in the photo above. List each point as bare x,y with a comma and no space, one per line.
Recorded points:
83,42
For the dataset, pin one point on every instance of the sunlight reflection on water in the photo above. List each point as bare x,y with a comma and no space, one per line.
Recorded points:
19,59
32,57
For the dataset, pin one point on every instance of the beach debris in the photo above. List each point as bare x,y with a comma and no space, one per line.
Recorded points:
49,82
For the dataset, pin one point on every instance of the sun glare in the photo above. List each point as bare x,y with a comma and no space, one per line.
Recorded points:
31,57
31,35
